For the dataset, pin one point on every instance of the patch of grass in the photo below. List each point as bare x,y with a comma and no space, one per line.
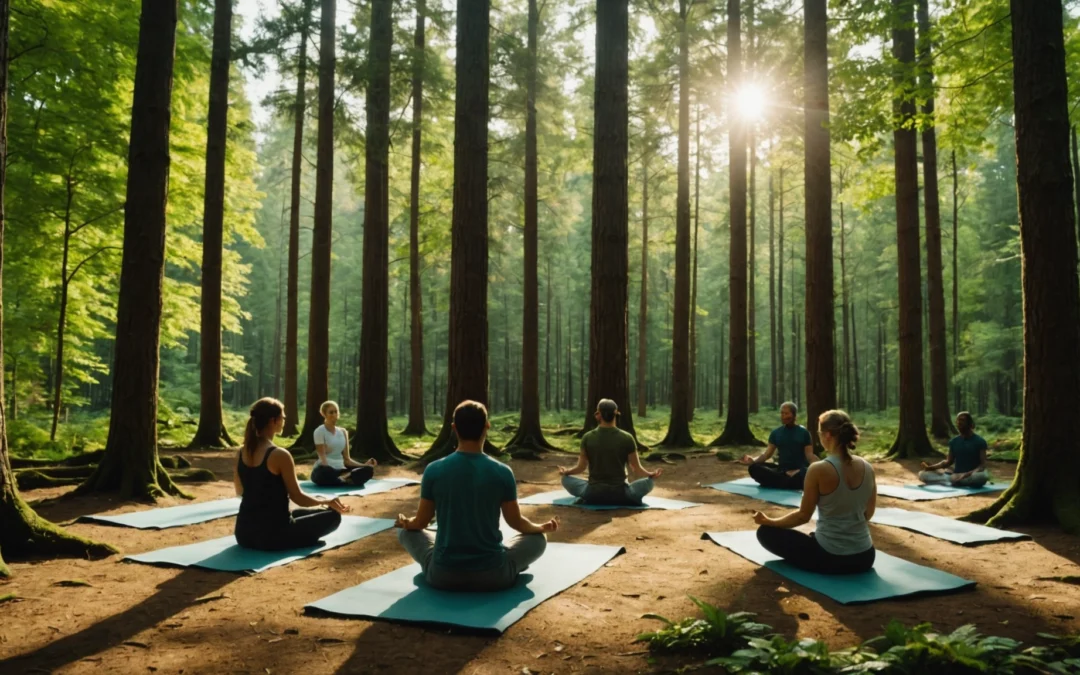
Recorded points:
10,597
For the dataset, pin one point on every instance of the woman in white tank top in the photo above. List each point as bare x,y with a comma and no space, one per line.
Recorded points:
842,489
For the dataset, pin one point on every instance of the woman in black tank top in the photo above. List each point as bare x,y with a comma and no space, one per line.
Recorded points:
265,479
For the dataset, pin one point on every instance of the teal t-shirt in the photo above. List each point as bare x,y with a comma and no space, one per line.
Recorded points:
965,452
790,445
468,490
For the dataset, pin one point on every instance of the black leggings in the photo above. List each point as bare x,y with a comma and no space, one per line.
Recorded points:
327,476
804,551
305,528
769,475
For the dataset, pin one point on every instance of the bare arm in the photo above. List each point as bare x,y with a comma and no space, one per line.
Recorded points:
808,451
580,467
806,507
942,464
511,512
763,457
281,463
637,470
237,485
424,513
871,504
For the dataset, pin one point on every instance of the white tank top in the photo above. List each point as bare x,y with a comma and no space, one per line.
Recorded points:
841,527
334,444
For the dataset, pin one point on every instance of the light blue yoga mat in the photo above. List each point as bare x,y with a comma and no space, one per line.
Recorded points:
956,531
226,556
373,486
919,493
891,577
748,487
403,595
172,516
564,498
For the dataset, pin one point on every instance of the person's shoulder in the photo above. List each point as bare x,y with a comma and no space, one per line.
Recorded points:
803,430
320,430
979,440
776,432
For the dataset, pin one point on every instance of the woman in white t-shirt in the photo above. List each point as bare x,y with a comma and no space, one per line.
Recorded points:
334,466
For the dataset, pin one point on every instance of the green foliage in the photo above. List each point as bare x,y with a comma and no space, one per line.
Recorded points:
717,632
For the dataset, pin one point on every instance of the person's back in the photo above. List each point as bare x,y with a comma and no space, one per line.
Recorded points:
841,524
468,490
607,449
264,505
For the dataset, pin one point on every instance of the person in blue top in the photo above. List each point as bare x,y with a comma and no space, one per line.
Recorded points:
796,453
467,491
967,457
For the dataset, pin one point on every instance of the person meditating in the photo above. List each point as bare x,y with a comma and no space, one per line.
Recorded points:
467,491
967,457
265,480
796,454
605,452
334,466
843,491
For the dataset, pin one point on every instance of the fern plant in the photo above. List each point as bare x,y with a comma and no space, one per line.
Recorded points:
717,632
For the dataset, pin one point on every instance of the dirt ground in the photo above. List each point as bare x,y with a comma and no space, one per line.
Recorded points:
136,618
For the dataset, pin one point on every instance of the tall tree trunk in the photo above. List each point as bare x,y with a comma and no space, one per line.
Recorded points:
557,397
781,370
694,276
292,377
882,368
911,439
857,399
467,373
608,371
956,279
61,322
1047,484
547,337
773,382
318,371
372,437
529,435
130,464
278,314
755,398
211,432
941,425
845,318
583,379
643,312
720,375
678,433
1076,171
820,312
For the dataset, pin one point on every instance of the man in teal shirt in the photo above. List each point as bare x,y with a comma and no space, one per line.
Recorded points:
467,491
967,457
796,449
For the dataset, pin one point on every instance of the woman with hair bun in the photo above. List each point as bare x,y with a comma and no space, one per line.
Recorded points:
265,479
842,489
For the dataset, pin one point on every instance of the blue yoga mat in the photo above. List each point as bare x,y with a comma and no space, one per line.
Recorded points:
748,487
956,531
919,493
403,595
226,556
891,577
373,486
564,498
172,516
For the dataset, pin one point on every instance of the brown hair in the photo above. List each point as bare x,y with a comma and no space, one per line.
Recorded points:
470,420
262,412
839,424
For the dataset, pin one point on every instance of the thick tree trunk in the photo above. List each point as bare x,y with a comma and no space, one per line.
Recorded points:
845,318
547,337
643,312
941,425
820,312
1047,484
781,369
1076,172
911,439
130,464
292,381
737,427
856,401
773,382
467,373
608,371
694,275
318,371
678,433
416,425
372,437
956,279
211,432
529,435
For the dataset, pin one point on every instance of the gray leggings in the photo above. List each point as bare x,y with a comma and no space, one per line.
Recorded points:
933,477
521,551
632,494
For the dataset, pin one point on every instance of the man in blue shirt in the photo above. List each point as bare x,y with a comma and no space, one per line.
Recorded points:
796,449
467,491
967,457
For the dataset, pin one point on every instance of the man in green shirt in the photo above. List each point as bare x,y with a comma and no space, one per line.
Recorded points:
796,454
605,452
467,491
967,457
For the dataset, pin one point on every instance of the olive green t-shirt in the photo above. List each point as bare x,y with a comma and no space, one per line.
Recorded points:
607,449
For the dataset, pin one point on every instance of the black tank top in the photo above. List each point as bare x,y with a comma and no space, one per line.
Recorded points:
265,502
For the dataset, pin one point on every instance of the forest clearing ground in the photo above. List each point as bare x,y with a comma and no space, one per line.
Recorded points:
137,618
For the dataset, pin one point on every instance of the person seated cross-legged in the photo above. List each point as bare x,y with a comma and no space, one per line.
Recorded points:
967,457
605,452
466,492
841,488
796,453
335,467
265,481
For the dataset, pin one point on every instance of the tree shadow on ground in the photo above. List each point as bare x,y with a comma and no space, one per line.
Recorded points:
391,647
172,597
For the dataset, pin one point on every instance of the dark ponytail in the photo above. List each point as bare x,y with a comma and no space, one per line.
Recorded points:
839,424
262,412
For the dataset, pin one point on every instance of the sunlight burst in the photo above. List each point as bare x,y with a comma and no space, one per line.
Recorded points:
751,102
